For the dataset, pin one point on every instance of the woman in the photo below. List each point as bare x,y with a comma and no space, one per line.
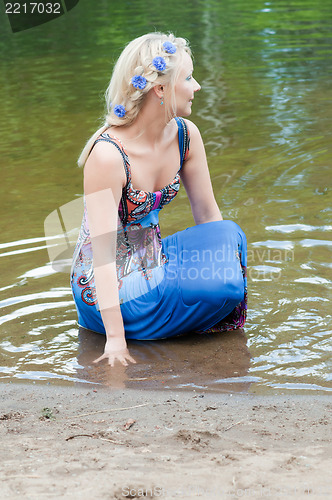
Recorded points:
127,281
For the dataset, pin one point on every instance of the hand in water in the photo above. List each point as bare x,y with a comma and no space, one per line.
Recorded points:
116,349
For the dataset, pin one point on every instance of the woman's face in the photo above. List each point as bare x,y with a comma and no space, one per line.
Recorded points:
185,87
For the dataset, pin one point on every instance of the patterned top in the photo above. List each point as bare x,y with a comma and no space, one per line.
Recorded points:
139,244
136,204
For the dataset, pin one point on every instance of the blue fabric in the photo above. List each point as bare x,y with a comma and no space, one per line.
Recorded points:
201,280
201,284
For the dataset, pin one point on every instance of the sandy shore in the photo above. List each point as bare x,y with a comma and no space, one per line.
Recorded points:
97,443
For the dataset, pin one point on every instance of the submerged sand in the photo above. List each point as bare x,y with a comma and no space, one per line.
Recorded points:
88,442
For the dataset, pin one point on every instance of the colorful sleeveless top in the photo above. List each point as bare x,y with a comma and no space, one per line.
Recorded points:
139,244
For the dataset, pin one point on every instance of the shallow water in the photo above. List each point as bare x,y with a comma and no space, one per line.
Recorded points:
264,112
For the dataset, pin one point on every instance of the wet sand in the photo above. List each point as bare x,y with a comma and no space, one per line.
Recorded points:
84,442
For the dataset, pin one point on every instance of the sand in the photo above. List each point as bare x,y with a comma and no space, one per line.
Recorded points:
92,442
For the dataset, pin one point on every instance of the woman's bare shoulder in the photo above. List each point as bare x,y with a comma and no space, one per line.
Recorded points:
104,166
193,129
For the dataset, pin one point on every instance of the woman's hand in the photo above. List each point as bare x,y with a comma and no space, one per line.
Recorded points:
116,349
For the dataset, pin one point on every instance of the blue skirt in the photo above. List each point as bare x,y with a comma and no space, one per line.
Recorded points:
201,287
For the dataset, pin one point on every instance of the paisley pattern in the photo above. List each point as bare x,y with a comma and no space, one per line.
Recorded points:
139,249
139,246
136,204
144,261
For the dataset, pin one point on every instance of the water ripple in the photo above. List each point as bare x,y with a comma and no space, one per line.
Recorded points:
264,115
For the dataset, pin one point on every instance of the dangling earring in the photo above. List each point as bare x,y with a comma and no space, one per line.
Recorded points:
162,101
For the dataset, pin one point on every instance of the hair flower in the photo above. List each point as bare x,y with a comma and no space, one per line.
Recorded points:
119,110
169,47
139,82
159,63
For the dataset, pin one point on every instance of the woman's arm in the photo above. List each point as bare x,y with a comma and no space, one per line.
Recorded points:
196,179
104,178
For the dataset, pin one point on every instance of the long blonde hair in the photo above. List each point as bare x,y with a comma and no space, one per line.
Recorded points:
136,59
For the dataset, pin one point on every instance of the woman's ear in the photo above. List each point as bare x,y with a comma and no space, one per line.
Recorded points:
159,91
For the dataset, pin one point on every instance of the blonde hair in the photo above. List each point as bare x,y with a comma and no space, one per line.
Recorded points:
136,59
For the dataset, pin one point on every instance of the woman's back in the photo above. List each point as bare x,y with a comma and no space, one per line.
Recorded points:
138,231
127,281
152,166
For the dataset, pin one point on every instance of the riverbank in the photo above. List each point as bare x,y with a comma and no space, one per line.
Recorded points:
91,442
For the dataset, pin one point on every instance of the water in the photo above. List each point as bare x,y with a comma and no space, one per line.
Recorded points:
264,112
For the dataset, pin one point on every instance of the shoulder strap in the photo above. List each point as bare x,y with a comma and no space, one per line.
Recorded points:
184,138
105,137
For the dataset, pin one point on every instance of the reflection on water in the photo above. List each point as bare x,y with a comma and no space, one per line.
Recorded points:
192,361
264,113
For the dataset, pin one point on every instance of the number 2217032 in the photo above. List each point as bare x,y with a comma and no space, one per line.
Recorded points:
33,8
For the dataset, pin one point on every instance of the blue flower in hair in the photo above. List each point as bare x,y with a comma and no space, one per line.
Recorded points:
139,82
169,47
119,110
159,63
